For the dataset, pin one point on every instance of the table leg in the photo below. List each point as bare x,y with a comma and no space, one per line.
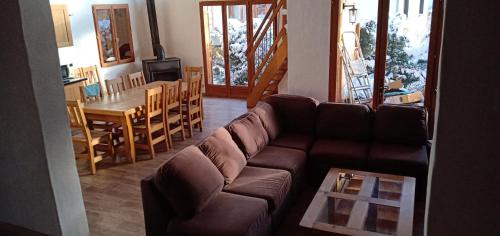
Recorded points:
128,135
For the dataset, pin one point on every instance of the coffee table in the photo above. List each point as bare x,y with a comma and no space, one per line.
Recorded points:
351,202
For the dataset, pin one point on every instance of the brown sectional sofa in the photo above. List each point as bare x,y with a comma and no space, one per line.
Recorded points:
241,179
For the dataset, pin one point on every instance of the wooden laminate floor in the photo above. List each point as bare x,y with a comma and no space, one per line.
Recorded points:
112,197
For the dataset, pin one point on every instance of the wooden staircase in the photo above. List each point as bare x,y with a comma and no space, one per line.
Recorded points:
272,63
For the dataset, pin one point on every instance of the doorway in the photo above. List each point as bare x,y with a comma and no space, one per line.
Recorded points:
227,27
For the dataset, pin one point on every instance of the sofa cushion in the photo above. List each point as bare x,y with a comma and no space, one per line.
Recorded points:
292,140
268,118
188,181
224,154
410,160
269,184
344,121
296,114
339,153
292,160
228,214
400,124
247,131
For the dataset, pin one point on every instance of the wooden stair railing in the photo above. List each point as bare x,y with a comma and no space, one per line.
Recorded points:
268,65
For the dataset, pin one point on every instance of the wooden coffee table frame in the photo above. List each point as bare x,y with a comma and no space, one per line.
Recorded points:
362,201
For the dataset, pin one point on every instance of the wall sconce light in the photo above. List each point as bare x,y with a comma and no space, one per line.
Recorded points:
353,12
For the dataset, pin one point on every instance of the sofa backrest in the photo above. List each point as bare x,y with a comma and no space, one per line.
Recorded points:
224,153
296,114
248,133
400,124
344,121
268,118
188,181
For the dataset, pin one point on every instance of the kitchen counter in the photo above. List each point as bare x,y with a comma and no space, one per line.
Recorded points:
73,81
72,88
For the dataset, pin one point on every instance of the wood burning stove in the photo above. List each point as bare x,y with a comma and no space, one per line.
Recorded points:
161,68
169,69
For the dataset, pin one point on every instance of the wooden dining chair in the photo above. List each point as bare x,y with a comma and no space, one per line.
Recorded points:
192,71
173,107
96,144
136,79
91,73
115,86
91,92
195,71
192,105
88,93
153,124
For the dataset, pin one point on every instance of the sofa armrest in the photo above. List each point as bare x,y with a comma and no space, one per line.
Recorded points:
157,213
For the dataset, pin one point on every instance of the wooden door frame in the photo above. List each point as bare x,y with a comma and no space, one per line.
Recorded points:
380,52
227,90
379,76
433,60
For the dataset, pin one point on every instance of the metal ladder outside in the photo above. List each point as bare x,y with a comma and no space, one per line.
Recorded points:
359,88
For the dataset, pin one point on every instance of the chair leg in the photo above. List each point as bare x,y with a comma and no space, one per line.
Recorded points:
168,135
91,160
111,147
190,125
151,148
183,132
201,107
201,122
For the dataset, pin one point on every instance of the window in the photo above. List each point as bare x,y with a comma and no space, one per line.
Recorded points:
114,35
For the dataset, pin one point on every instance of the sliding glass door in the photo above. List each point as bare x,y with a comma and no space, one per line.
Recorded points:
214,45
408,38
386,52
227,27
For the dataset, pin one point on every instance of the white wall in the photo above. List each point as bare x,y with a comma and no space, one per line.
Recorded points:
309,48
180,30
85,50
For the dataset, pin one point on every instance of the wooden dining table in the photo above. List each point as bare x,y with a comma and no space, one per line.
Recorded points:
120,108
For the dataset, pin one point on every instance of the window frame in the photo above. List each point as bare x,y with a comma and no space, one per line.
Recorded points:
112,8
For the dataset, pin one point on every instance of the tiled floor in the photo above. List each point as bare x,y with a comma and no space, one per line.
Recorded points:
113,199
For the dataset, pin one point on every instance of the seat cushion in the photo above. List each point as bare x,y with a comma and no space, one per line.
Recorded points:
247,131
224,154
339,153
400,124
269,184
291,160
293,140
228,214
399,159
296,114
268,118
344,121
189,181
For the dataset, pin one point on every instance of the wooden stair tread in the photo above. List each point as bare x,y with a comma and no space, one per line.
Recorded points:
268,82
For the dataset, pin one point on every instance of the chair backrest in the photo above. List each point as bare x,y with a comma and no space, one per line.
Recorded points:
77,118
136,80
115,86
173,92
194,89
91,73
86,97
192,71
155,102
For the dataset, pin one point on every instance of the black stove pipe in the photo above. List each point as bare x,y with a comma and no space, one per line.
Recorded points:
158,50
